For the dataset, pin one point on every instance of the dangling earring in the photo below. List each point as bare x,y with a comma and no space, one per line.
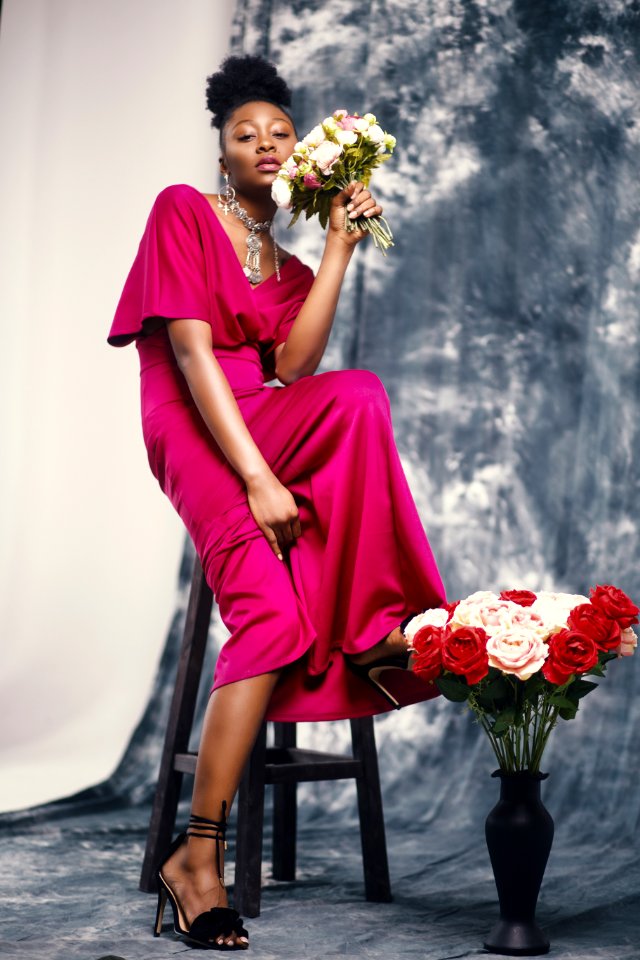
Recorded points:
229,195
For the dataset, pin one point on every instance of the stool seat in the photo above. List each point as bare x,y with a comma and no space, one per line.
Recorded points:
282,765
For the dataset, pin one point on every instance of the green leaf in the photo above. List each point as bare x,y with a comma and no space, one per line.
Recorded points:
580,688
569,713
504,720
558,700
497,689
596,671
453,689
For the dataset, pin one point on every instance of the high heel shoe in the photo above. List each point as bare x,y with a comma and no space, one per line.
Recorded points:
374,671
213,924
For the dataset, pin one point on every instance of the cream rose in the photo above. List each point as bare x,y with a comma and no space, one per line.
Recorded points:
430,618
315,136
281,193
467,612
520,653
326,155
375,133
345,136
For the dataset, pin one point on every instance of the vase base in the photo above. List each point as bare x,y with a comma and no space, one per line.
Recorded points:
517,940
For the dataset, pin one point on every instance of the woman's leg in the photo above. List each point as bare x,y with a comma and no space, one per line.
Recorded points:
231,723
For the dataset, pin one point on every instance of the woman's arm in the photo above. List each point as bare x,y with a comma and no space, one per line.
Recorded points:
271,504
308,337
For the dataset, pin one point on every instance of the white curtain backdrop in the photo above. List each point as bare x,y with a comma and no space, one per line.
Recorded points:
101,106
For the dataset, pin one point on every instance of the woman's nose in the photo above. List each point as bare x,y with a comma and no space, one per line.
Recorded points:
265,142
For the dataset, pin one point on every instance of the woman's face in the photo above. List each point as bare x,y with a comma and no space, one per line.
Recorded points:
256,139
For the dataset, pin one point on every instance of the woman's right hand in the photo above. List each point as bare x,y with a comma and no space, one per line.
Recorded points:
275,511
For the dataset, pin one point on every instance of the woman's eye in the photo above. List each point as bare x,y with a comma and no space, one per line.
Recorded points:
245,136
282,134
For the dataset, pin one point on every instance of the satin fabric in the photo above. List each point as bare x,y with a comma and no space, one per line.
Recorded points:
363,560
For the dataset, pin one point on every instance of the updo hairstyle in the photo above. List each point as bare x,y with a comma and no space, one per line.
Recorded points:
241,80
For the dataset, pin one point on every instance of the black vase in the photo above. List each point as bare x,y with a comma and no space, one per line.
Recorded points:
519,833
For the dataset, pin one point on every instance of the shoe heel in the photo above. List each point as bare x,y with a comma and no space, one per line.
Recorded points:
162,901
373,676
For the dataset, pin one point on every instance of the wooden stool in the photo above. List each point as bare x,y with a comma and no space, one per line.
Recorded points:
283,765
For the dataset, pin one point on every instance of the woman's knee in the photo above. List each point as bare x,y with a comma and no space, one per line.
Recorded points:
356,390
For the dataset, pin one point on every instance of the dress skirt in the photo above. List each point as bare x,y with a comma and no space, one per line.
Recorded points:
363,561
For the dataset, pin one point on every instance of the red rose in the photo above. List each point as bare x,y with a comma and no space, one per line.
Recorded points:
449,607
615,604
570,651
427,643
605,633
523,597
464,651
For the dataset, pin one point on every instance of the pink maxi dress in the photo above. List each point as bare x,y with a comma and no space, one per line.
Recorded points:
363,561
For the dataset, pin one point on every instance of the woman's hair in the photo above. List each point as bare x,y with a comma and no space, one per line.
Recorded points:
240,80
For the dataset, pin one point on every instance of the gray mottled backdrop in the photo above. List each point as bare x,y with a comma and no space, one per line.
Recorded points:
504,324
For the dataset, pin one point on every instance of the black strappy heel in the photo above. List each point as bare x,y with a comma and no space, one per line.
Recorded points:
373,672
217,922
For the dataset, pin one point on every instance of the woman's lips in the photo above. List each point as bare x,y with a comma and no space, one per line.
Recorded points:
268,163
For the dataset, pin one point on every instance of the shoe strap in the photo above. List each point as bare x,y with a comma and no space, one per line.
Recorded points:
216,830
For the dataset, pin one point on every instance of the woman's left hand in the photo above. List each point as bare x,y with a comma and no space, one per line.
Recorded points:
358,202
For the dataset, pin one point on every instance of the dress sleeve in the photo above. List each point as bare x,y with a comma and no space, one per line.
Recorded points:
168,277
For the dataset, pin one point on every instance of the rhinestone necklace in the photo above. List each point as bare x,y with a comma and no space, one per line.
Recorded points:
251,267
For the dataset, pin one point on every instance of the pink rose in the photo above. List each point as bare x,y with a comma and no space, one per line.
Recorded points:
326,155
312,181
518,653
628,643
348,123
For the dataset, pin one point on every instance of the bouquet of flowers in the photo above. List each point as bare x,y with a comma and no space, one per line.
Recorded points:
344,147
520,659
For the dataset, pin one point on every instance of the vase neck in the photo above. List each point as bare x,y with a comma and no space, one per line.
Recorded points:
520,786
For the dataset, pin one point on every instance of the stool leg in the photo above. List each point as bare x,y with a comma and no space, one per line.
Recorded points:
165,804
372,834
249,829
284,812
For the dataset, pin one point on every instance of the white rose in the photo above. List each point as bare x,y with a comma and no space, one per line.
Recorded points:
326,155
375,133
329,125
554,608
389,141
628,643
281,193
369,117
430,618
315,136
361,125
345,137
520,653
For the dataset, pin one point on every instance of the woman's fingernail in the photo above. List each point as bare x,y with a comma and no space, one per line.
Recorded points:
349,206
279,556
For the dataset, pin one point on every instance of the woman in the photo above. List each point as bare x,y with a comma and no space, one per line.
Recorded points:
294,495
